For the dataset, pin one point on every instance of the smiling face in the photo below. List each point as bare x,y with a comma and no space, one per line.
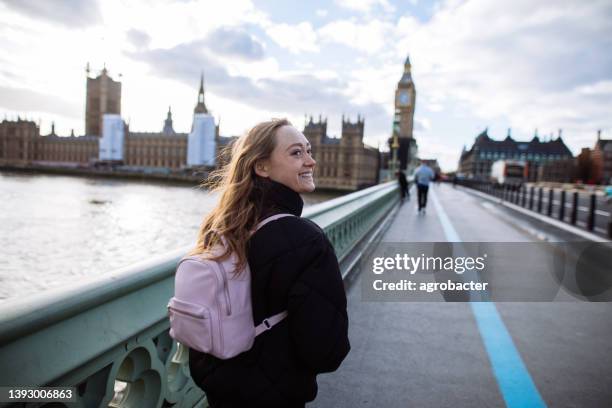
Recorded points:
291,162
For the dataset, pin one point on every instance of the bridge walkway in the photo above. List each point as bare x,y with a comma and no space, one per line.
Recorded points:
429,354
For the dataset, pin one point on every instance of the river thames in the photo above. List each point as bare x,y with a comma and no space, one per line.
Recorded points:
57,229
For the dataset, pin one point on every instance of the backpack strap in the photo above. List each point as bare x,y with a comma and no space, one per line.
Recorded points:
270,322
272,218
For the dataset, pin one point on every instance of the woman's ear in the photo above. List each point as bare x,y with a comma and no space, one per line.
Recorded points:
261,168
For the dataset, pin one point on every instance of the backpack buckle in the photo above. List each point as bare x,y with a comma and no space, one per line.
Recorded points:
266,323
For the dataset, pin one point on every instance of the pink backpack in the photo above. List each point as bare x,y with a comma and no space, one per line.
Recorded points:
211,309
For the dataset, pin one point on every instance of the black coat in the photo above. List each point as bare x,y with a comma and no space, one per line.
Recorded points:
293,268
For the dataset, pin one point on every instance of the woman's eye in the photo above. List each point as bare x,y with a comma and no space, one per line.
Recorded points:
297,152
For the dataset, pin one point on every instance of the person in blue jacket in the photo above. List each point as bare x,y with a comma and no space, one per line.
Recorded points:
423,175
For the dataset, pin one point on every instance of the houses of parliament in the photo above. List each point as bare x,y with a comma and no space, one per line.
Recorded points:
344,163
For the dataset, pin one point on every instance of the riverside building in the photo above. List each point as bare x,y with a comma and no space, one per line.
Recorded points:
345,163
110,140
476,162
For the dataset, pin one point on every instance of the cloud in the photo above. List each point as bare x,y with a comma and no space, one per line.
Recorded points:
321,12
235,42
365,6
70,13
295,38
25,100
422,124
294,93
371,37
138,38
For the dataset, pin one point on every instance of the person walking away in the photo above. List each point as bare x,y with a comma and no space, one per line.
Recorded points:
403,183
423,175
608,191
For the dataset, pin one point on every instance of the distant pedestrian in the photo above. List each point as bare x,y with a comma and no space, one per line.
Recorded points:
293,268
403,183
608,191
423,175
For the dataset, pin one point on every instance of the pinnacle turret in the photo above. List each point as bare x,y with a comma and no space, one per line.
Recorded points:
201,105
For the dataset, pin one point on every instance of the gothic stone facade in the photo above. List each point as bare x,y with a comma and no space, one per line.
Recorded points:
345,163
103,96
22,144
476,163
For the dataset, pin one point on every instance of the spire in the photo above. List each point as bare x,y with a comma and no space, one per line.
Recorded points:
168,129
599,134
71,132
201,106
53,128
406,76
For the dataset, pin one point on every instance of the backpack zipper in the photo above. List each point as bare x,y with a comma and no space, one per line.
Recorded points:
225,289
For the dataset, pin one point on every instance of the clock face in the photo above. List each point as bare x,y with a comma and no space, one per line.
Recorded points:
404,98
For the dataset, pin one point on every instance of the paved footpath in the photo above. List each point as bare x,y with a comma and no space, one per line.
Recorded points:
471,355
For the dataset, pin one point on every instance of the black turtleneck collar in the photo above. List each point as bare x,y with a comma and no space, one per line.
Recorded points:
272,198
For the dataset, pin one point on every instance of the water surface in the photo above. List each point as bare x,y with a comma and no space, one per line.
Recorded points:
55,229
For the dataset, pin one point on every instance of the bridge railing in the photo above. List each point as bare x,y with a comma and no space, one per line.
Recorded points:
108,336
586,210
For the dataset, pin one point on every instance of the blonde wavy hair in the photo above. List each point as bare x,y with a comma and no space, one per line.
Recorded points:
236,215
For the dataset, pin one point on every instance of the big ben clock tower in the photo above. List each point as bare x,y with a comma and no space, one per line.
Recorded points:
405,98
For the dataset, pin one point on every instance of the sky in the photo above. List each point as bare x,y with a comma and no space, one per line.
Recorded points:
476,64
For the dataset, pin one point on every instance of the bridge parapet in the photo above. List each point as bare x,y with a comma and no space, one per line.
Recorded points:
588,210
108,336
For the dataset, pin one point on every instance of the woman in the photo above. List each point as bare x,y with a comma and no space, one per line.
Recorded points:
293,268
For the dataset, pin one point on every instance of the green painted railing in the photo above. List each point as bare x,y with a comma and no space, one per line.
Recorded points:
108,336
